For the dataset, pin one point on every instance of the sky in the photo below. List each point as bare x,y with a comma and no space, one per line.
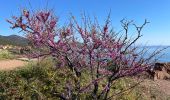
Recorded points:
157,12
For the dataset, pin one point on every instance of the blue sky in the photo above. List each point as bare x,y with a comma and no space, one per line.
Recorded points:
157,12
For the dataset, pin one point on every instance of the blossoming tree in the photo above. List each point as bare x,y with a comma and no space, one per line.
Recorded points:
105,54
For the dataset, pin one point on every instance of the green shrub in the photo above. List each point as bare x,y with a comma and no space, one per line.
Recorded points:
35,81
5,54
38,81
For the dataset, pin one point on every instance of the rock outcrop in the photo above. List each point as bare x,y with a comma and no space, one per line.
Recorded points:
161,71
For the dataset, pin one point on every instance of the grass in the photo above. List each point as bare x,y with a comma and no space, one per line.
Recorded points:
40,81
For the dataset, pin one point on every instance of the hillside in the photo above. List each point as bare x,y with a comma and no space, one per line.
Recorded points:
13,40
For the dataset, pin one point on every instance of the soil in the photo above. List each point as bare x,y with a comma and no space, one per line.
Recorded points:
154,89
160,85
11,64
164,85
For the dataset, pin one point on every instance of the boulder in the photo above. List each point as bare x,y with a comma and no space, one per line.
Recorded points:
161,71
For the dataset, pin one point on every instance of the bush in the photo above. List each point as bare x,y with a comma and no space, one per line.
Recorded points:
5,54
41,81
37,81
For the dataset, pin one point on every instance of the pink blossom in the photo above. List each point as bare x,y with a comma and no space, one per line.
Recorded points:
52,23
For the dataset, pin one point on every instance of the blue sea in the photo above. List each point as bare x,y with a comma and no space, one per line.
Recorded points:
165,53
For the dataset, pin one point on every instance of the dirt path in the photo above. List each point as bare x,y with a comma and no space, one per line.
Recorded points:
162,87
11,64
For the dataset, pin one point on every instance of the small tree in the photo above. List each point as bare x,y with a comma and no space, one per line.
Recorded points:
107,55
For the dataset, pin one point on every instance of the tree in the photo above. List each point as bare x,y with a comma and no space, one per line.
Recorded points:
107,55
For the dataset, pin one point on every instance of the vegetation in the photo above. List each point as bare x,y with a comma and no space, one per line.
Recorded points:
41,81
5,54
89,59
13,40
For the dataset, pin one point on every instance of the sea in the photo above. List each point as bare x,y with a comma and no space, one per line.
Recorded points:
164,55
